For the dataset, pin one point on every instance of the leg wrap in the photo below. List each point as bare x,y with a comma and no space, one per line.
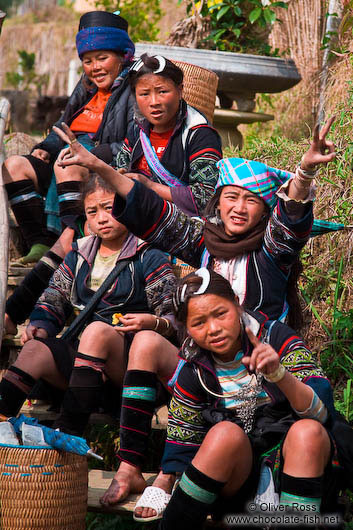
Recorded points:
192,500
69,194
138,403
83,394
28,208
14,389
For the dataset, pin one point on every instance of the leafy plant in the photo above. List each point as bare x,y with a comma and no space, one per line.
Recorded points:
239,25
345,404
142,16
27,78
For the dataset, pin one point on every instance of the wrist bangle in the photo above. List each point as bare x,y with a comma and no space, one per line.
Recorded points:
167,323
156,326
276,376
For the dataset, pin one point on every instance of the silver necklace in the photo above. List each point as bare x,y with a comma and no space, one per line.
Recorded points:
248,394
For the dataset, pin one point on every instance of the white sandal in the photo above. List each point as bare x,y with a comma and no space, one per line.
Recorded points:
154,498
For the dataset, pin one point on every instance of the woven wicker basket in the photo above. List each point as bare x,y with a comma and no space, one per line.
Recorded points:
200,88
181,269
42,489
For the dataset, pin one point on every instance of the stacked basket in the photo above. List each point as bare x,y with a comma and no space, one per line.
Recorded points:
200,88
42,489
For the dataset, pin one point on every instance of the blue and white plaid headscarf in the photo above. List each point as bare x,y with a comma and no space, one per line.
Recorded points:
264,181
254,176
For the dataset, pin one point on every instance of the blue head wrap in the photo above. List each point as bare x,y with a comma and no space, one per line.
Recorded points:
105,38
257,177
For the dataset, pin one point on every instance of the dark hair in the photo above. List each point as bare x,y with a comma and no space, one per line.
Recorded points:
92,183
150,64
217,285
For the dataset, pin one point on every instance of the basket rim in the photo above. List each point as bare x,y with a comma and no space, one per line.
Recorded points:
48,447
195,66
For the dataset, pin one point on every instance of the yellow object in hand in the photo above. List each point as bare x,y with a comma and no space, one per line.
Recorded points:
116,318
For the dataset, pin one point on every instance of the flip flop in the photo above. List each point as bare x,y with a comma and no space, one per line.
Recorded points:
154,498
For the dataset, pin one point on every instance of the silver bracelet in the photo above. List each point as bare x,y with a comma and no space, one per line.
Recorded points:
277,375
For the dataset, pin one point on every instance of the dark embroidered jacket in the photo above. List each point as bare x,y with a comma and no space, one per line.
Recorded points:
164,226
187,425
191,156
116,122
143,286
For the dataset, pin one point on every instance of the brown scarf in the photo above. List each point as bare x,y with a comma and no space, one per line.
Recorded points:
220,245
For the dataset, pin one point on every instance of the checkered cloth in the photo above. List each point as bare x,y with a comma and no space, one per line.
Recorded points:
254,176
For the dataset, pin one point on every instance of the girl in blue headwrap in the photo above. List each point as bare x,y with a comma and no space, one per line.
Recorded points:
99,112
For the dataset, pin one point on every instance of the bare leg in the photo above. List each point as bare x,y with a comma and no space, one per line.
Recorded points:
69,174
17,168
153,353
102,341
36,359
223,460
306,449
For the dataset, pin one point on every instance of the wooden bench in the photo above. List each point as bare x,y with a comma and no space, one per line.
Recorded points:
99,481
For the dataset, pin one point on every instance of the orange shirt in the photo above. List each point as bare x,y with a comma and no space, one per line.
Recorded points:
90,118
159,143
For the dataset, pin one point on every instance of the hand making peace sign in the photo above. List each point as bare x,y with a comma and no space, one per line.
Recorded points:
321,150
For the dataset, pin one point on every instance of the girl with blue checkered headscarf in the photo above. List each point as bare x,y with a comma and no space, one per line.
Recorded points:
99,111
254,227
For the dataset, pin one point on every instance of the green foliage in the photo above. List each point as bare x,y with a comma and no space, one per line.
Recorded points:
26,78
240,25
142,16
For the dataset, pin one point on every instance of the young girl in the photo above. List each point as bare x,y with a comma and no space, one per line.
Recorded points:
249,387
172,150
124,333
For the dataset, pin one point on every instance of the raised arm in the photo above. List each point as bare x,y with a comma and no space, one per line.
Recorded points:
76,154
321,151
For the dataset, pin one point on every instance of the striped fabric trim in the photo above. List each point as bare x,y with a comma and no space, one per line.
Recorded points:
95,364
145,393
316,410
288,499
193,490
155,164
17,380
25,197
72,196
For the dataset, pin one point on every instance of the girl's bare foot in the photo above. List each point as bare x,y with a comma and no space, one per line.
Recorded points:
163,481
128,479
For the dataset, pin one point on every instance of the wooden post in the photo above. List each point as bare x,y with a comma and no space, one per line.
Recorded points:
4,217
2,18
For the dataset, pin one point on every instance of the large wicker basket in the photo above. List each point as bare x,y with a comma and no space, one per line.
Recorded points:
200,88
42,489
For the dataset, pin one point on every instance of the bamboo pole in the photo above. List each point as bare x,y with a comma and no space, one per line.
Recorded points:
2,18
4,217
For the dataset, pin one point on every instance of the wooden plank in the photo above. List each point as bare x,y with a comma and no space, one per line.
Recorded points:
99,481
4,218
